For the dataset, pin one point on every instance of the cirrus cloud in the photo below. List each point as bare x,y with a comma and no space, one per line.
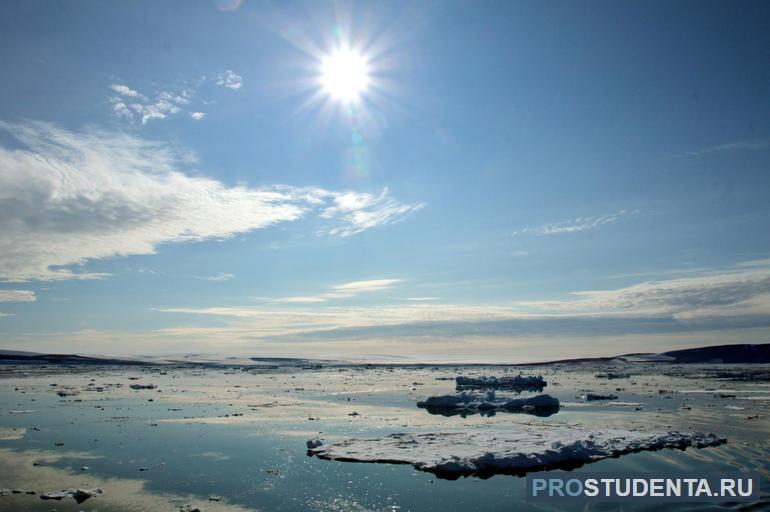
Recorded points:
69,197
343,291
573,225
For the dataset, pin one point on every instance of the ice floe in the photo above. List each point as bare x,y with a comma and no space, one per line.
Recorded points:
472,402
516,383
487,452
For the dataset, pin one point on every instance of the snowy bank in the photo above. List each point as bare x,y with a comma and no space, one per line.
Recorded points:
484,453
518,383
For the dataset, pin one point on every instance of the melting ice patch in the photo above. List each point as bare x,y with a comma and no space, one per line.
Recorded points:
485,453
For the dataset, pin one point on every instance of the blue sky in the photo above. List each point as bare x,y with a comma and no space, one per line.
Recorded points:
519,180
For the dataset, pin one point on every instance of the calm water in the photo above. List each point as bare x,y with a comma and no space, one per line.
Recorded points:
191,442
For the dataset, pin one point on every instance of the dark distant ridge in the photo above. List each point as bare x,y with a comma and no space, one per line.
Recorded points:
32,357
728,354
722,354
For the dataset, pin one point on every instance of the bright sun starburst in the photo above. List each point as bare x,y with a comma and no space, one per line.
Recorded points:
345,75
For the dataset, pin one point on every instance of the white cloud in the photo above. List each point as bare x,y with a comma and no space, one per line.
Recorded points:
362,211
754,263
731,291
728,306
17,296
746,145
370,285
730,299
124,90
263,322
574,225
120,109
301,299
343,291
230,80
218,277
133,106
70,197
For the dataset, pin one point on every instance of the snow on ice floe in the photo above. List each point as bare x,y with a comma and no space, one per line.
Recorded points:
488,452
543,405
517,383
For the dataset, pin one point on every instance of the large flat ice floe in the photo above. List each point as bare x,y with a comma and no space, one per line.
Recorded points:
484,453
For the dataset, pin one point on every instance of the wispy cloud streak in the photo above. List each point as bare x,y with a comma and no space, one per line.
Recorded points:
573,225
17,296
746,145
343,291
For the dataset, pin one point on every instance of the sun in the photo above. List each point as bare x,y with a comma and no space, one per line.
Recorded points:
345,75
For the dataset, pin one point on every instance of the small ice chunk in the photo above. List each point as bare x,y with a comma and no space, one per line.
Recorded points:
56,495
314,443
143,386
590,397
